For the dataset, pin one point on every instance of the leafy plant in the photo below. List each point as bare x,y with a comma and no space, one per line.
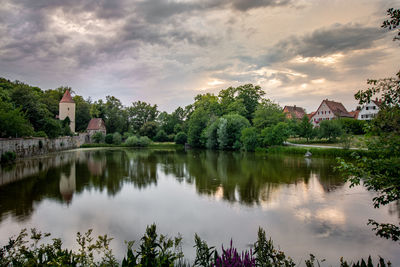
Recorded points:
98,137
154,250
180,138
266,254
8,157
109,138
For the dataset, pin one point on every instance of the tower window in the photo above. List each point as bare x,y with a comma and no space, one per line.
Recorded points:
68,108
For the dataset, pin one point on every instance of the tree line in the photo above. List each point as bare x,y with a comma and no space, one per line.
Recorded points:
236,118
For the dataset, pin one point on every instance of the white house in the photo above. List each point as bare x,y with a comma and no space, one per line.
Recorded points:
329,110
370,110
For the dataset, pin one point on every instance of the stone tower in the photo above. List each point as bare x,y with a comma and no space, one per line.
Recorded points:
67,109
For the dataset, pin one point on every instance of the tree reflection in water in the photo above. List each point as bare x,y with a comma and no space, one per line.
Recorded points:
246,178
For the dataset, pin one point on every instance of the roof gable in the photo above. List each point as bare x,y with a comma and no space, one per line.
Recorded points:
298,112
67,98
96,124
337,108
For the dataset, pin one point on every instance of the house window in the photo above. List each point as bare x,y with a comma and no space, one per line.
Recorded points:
329,112
366,108
318,112
373,107
68,108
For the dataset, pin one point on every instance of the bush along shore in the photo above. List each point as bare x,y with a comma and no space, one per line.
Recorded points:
153,250
320,152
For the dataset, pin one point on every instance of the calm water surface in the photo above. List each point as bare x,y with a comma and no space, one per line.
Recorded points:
303,205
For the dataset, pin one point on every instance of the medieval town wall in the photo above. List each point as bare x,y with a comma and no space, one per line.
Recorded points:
27,147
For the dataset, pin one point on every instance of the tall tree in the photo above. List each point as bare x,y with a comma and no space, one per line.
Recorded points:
82,113
141,113
250,95
116,117
28,100
267,114
13,122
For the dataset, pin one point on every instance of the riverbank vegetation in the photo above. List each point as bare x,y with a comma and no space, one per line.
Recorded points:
153,250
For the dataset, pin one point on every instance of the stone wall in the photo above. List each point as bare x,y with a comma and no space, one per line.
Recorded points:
24,147
32,166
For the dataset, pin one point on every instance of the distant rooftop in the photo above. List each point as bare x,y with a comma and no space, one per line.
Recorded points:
67,98
297,111
96,124
337,108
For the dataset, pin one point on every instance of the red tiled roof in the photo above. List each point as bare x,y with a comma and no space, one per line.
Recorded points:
354,113
67,98
96,124
311,114
297,111
337,108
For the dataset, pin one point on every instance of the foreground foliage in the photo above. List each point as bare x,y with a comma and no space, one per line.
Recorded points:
29,249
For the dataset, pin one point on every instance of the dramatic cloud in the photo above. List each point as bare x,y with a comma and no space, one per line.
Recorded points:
165,52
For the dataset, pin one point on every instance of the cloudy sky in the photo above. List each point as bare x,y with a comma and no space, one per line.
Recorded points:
166,52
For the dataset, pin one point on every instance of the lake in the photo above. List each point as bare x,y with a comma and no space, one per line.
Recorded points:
301,203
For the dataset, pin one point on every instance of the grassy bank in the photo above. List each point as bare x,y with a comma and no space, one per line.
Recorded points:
152,145
356,141
323,152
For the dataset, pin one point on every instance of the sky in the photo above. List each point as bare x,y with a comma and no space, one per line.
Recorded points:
166,52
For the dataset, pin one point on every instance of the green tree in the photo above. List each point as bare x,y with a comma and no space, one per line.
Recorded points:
109,138
28,100
249,138
116,117
330,129
141,113
161,136
352,126
305,128
222,133
66,129
51,98
394,21
117,138
267,114
209,103
98,110
197,123
381,172
212,135
250,95
275,135
180,138
52,127
13,122
149,129
98,137
82,113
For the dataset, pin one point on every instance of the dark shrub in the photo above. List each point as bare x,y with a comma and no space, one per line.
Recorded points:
180,138
109,138
8,157
161,136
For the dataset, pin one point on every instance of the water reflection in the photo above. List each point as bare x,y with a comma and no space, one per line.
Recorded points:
246,178
68,184
220,195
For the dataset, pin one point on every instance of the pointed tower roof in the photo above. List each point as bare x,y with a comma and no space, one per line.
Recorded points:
67,98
